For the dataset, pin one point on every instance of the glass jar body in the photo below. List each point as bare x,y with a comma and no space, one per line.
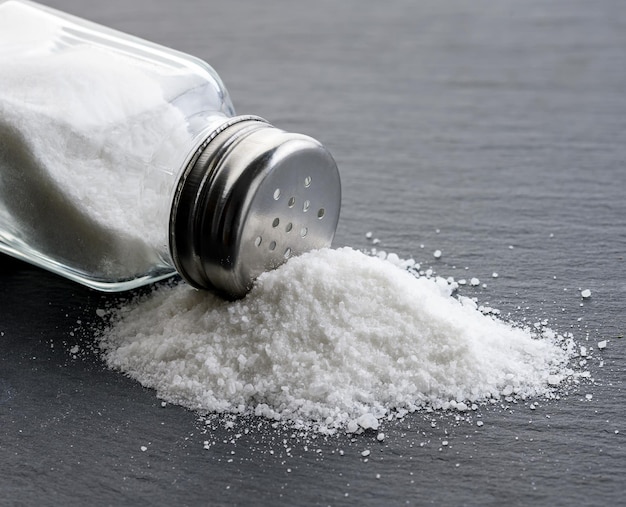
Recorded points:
96,129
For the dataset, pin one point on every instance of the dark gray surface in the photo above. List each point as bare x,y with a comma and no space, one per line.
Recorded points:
500,124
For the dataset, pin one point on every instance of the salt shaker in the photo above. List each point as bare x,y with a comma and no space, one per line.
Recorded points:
122,162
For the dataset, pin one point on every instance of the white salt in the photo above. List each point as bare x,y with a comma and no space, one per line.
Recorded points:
82,147
585,293
333,339
437,254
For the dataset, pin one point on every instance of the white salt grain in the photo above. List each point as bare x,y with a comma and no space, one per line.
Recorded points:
65,127
437,254
333,339
585,293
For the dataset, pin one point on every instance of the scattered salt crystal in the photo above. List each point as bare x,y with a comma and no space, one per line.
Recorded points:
508,390
352,427
75,349
583,351
368,421
444,443
589,397
602,344
394,259
365,453
143,448
474,282
375,241
586,294
368,235
100,312
479,423
380,437
437,254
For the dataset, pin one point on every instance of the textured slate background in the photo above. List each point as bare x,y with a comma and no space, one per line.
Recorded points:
497,123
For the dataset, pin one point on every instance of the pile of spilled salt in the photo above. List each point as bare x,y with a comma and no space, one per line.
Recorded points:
333,339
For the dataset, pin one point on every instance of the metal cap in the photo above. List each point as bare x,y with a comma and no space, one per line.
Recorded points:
253,197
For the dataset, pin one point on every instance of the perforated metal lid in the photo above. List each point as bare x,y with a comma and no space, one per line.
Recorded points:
254,197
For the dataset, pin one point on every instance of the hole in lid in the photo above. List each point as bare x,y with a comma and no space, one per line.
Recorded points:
304,231
277,194
273,245
306,206
287,253
275,222
320,213
307,181
258,241
292,201
289,227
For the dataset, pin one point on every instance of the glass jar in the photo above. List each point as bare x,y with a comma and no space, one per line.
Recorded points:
122,162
